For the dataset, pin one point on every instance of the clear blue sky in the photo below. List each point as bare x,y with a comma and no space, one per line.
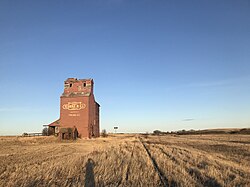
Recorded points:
157,64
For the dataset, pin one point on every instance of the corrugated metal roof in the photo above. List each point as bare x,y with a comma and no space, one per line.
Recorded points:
55,123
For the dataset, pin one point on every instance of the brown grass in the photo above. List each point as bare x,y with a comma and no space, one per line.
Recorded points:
122,160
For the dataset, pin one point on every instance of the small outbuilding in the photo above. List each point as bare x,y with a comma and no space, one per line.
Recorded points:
68,133
53,128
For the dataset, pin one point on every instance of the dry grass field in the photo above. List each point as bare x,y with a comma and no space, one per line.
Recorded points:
126,160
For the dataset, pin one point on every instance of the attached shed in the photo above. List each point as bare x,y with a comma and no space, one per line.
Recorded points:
68,133
54,128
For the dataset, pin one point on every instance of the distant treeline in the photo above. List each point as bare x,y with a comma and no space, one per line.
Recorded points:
190,132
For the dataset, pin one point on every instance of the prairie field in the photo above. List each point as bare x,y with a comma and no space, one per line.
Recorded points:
126,160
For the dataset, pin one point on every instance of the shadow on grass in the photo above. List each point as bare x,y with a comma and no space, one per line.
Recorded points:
89,176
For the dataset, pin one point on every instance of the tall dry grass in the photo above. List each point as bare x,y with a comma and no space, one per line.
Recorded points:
67,164
123,161
190,161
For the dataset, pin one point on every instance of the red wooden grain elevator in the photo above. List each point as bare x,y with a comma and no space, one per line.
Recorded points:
78,108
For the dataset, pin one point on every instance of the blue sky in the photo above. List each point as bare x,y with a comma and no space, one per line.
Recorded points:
162,64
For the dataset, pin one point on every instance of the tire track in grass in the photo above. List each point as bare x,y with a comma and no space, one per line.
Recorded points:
128,169
162,177
202,179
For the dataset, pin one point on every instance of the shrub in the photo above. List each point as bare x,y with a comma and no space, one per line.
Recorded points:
104,133
45,131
